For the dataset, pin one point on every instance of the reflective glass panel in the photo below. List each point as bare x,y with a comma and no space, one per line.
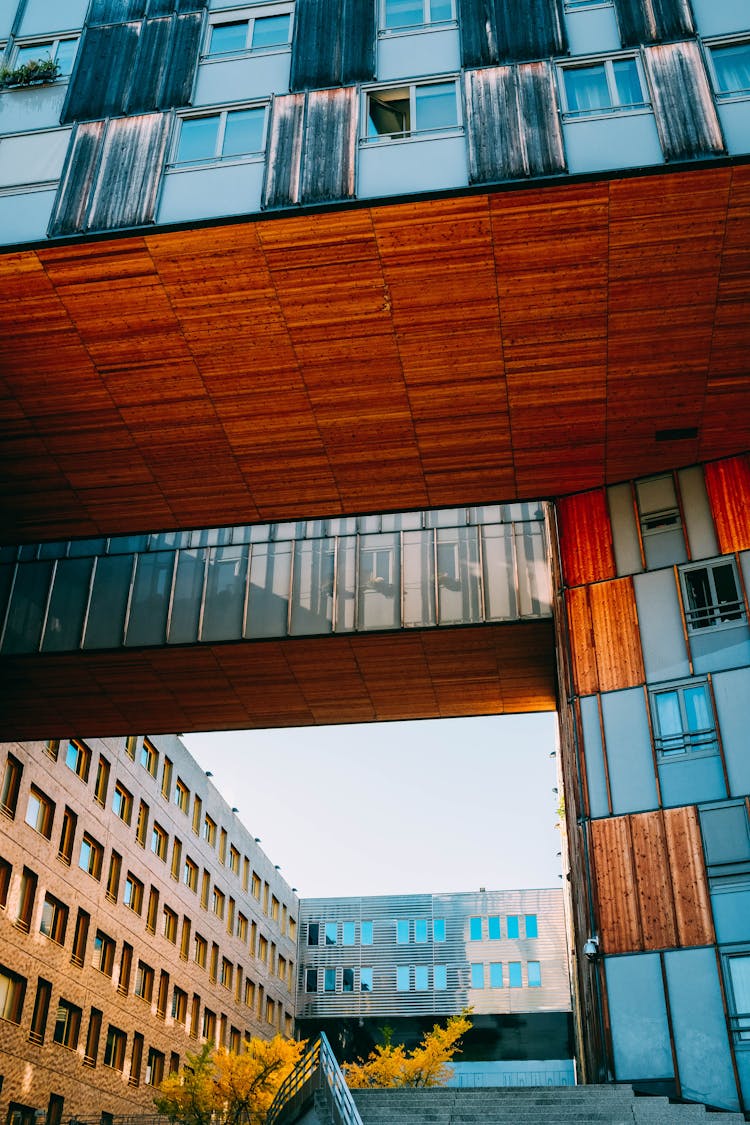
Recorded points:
531,926
534,586
188,590
458,575
440,977
438,929
330,980
198,139
496,974
67,605
147,623
365,980
332,932
419,578
421,978
312,591
669,721
268,604
436,106
227,37
366,933
243,132
403,13
586,88
348,933
379,582
499,563
32,53
477,976
514,974
402,932
24,624
346,562
402,978
270,31
697,708
109,597
475,929
493,926
732,67
440,10
420,930
512,925
739,978
348,980
627,82
534,970
225,593
311,980
65,57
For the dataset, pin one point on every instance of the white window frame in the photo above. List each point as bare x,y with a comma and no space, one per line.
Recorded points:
50,45
413,134
427,24
711,614
218,160
695,744
614,109
249,16
711,45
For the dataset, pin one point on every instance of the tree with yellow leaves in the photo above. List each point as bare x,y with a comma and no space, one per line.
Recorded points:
426,1065
219,1087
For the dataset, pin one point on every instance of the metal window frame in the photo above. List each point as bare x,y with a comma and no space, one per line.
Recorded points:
716,44
413,132
615,108
248,16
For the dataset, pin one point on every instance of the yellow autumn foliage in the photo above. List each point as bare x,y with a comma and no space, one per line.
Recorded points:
426,1065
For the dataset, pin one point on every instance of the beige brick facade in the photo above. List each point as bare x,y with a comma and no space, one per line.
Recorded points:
188,870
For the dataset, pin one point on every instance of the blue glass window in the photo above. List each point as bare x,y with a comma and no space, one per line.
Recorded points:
365,933
402,932
512,925
514,974
475,929
535,974
477,975
421,978
330,980
732,68
348,980
420,930
438,929
332,933
493,925
440,977
402,978
365,980
496,974
531,926
347,933
311,980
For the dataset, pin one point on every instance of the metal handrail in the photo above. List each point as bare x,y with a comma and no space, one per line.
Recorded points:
317,1072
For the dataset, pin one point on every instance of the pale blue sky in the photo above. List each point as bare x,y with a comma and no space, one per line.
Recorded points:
395,808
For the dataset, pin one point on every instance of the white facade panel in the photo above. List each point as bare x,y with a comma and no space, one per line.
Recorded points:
32,158
732,694
36,108
234,189
233,80
662,637
591,30
632,782
604,143
624,531
417,54
735,121
25,217
699,523
42,17
429,164
720,17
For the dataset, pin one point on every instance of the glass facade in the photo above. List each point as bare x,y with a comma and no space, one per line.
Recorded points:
410,570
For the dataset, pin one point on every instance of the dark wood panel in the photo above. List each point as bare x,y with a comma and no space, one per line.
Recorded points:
586,553
617,905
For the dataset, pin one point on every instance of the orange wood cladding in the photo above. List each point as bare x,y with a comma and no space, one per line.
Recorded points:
436,352
604,637
651,886
585,538
413,674
728,487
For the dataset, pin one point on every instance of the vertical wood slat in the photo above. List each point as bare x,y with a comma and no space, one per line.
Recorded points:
333,43
692,902
684,107
653,881
329,145
728,487
115,11
149,66
476,21
617,643
284,163
583,654
540,120
181,62
102,76
653,21
508,31
586,551
76,181
616,894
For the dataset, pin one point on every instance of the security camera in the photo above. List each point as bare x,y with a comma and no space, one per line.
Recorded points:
591,948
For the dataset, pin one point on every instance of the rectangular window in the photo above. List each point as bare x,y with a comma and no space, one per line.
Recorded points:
152,910
208,1030
242,927
227,973
200,951
223,845
477,975
475,929
365,979
402,932
78,759
92,1037
26,900
532,929
41,1011
230,36
731,69
190,874
149,757
166,778
185,938
331,933
712,595
179,1005
421,978
136,1059
420,930
104,953
496,974
683,720
144,981
256,885
365,933
67,836
114,1048
181,795
397,113
52,748
132,894
176,859
737,974
313,933
122,803
438,929
607,87
195,1014
162,994
493,928
11,786
234,860
329,980
6,870
403,14
102,781
440,977
54,921
61,51
348,933
661,521
512,924
726,841
169,918
131,745
263,949
218,904
126,967
311,980
197,814
141,827
159,842
221,136
67,1025
91,856
12,993
209,830
113,879
514,974
40,812
155,1067
534,971
402,978
80,937
275,906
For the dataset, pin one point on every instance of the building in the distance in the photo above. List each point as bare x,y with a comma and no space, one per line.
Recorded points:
138,919
405,962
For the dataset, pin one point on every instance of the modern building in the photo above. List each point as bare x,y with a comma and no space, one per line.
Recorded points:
138,919
300,274
406,961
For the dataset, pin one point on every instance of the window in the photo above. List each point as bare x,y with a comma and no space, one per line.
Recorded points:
477,975
162,994
275,905
144,981
26,900
126,966
200,951
242,927
170,925
726,841
80,937
41,1011
197,814
136,1058
493,928
512,923
712,596
54,922
438,929
181,795
78,759
475,929
195,1011
176,858
420,930
255,34
439,978
113,879
40,812
331,932
114,1048
605,87
263,949
311,980
365,933
52,748
329,980
348,933
256,888
141,827
213,965
11,786
92,1037
683,720
414,13
91,856
737,973
67,1025
209,830
514,974
132,895
534,970
152,910
6,870
67,835
190,874
122,803
155,1067
532,930
220,136
62,51
402,932
661,520
234,860
365,979
179,1005
313,933
149,757
230,915
223,845
12,993
185,938
131,745
159,842
227,973
731,69
102,781
398,112
402,978
166,778
218,903
421,978
496,974
209,1024
104,953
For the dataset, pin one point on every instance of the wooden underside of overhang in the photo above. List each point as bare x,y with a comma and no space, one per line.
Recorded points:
431,673
429,353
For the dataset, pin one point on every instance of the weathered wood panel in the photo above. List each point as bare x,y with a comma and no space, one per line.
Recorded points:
496,150
583,653
614,619
329,145
132,156
76,182
692,904
101,80
182,54
358,41
683,104
728,487
149,66
115,11
284,163
586,551
653,21
616,893
653,881
507,31
540,120
333,43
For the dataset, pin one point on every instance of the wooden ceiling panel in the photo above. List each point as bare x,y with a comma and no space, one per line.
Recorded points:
442,351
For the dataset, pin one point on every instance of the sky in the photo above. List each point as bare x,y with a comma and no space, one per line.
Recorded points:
397,808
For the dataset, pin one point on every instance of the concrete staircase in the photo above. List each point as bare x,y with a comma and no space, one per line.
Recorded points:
548,1105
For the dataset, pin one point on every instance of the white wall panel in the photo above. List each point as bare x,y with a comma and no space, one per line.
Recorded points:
414,165
632,782
698,521
603,143
410,56
624,531
662,638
